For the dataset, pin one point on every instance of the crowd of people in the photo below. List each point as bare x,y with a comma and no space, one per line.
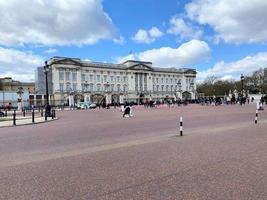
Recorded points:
127,108
229,100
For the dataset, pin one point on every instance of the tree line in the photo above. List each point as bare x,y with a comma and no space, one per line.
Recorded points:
254,83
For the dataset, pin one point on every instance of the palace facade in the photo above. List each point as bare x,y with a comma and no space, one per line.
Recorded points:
73,80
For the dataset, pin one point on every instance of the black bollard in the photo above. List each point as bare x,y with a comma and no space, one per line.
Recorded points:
6,112
181,126
33,116
14,118
256,118
52,114
23,112
45,116
42,113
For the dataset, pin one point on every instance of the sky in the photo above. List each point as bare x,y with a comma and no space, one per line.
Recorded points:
222,38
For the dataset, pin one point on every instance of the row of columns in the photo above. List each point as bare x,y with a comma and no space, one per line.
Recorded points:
141,82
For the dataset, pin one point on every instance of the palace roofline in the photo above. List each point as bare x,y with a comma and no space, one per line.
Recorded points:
122,66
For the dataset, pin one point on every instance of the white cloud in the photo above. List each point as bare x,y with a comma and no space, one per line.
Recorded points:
234,21
48,51
18,65
143,36
120,40
54,22
188,53
179,27
227,78
154,32
234,69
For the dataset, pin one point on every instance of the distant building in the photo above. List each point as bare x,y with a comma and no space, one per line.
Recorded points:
12,98
12,91
72,80
11,85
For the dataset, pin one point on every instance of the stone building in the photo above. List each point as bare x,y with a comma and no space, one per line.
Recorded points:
7,84
15,92
73,80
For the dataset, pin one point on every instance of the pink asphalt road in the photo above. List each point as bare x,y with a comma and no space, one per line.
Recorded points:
97,154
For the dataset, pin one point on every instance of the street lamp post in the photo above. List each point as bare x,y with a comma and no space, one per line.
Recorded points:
242,84
242,88
47,106
20,92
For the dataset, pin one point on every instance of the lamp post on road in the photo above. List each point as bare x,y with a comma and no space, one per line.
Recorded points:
20,92
47,106
242,89
242,84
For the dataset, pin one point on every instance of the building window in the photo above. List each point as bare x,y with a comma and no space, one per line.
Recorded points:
157,88
68,88
125,88
91,77
162,88
111,78
91,87
74,86
86,87
98,78
83,87
118,87
61,75
118,79
171,88
167,88
124,79
157,80
61,87
112,88
74,76
67,76
98,87
105,78
83,77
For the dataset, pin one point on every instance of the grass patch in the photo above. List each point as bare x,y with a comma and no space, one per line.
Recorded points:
4,119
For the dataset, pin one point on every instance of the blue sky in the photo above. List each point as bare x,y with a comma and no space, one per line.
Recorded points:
214,37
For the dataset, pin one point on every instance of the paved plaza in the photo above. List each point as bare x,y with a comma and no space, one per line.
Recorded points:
97,154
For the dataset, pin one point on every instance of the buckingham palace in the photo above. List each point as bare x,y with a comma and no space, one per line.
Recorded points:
72,80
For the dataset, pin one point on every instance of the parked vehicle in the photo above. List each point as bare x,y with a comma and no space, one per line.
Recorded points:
85,105
92,106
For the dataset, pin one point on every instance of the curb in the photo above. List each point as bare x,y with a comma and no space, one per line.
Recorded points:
11,119
30,123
